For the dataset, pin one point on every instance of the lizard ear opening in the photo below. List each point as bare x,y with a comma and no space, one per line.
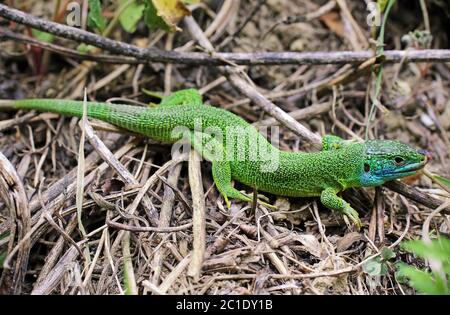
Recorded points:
366,167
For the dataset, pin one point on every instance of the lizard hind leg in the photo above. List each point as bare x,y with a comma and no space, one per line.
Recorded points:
221,171
332,142
213,151
182,97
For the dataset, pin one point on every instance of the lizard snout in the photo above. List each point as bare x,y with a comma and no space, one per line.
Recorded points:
426,153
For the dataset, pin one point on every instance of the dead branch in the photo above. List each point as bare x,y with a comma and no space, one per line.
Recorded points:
145,55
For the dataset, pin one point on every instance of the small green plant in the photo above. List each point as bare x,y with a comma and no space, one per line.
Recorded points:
131,14
418,39
164,14
42,36
2,259
3,251
379,265
435,281
95,17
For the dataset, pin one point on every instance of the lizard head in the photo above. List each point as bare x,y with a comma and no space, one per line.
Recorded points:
386,160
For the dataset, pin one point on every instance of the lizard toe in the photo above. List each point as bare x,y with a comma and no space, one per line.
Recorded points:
353,216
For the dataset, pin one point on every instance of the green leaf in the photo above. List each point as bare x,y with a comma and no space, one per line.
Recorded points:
422,281
42,36
83,48
382,5
151,19
438,249
3,253
374,267
384,269
446,268
164,14
442,180
387,253
95,17
2,259
400,275
131,15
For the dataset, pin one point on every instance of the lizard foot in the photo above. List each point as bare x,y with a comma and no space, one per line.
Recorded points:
261,200
227,202
268,205
353,216
248,198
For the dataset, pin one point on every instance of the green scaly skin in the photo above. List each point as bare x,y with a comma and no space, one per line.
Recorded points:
340,165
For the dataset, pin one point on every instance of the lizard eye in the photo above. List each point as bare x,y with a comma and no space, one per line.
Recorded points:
399,160
366,167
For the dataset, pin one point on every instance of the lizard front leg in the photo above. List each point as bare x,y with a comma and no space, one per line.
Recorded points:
330,199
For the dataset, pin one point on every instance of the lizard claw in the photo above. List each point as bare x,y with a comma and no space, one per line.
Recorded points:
247,198
353,216
261,201
227,202
268,205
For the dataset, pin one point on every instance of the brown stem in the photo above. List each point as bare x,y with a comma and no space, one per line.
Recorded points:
196,58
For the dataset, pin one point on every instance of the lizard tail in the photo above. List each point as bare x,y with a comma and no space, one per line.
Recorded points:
6,104
63,107
117,114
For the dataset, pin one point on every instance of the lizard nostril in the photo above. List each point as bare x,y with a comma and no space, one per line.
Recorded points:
425,154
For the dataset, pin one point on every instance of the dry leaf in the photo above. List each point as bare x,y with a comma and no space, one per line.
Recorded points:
165,13
333,284
333,21
285,212
310,244
347,241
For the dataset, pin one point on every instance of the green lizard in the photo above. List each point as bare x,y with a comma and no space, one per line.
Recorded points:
340,165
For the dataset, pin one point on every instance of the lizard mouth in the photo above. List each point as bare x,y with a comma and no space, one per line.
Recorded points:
411,169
